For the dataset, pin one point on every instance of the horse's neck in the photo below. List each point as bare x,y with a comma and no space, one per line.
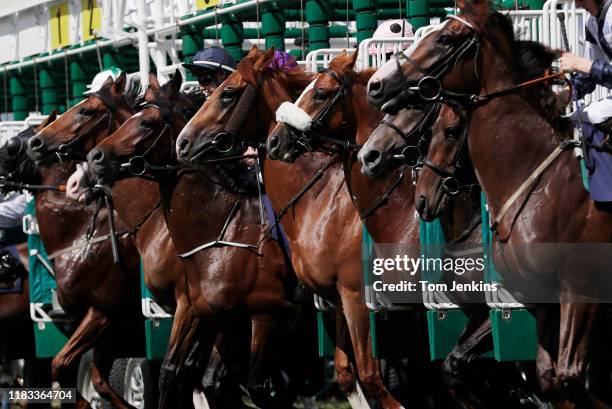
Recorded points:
366,118
397,221
461,223
134,200
508,139
196,208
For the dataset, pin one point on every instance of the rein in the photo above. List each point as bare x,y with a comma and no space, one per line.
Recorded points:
4,183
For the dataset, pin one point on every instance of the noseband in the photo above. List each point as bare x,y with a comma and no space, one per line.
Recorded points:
306,136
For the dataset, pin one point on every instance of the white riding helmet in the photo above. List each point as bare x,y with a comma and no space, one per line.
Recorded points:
391,28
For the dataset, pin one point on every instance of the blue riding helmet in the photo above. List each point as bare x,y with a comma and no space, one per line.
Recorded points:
212,58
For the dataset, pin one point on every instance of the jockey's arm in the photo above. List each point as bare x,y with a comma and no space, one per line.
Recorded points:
12,210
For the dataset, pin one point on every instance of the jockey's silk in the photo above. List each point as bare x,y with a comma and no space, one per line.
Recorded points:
600,181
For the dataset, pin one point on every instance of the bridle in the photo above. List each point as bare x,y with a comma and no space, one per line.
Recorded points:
429,87
449,179
307,137
66,150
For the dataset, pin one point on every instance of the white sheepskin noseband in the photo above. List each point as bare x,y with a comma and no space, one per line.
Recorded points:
293,116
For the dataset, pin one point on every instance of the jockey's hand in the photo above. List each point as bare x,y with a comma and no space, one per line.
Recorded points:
574,63
563,98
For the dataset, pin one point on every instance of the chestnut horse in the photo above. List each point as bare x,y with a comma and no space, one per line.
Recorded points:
231,262
89,284
533,186
323,228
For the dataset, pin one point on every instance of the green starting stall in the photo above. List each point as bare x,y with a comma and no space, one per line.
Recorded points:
513,325
52,327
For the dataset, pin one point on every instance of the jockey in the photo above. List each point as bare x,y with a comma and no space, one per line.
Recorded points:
596,118
211,66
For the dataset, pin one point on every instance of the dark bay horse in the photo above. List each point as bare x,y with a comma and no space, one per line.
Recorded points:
323,228
90,285
511,138
213,215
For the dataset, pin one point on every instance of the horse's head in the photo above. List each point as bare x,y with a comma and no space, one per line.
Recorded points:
82,126
240,113
326,113
399,139
15,165
446,169
146,138
448,57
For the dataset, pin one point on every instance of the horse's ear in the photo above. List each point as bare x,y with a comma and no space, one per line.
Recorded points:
175,82
265,59
119,85
49,119
153,81
108,84
351,64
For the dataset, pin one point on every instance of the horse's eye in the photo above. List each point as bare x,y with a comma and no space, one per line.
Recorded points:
453,132
445,39
319,95
228,95
87,111
146,124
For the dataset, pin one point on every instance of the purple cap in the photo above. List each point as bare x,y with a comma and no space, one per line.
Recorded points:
283,61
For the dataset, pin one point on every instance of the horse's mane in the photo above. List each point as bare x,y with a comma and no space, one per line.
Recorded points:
134,95
531,60
294,80
342,65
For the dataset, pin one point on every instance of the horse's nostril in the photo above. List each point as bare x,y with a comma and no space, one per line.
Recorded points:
36,143
372,158
375,87
184,146
97,157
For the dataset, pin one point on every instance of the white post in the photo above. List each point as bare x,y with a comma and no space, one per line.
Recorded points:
143,45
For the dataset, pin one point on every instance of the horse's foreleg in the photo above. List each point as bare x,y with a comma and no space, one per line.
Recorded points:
94,324
100,371
475,341
576,326
262,326
184,329
345,371
368,368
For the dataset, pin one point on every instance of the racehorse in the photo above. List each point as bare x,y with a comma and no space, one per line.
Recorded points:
322,226
532,185
78,240
17,339
350,120
231,261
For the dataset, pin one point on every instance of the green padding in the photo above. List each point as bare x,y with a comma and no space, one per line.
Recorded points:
374,334
49,339
444,329
42,282
157,336
491,274
585,175
367,252
327,347
514,335
432,239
